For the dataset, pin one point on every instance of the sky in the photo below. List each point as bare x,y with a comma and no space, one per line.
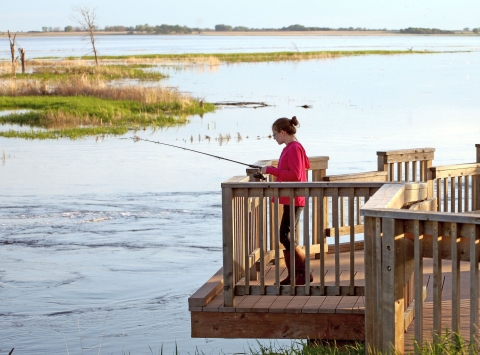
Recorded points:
32,15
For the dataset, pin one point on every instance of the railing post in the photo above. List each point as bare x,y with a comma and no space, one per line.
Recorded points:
429,179
382,164
476,190
319,166
373,334
393,280
227,236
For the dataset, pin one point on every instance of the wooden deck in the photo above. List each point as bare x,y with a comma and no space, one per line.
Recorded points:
311,317
408,211
280,316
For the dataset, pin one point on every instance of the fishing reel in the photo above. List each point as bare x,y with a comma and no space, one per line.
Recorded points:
260,176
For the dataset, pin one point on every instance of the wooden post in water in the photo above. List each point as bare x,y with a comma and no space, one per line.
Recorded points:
22,59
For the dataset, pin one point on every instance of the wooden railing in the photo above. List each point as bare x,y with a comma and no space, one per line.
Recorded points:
248,237
454,187
406,164
316,172
394,208
396,241
457,187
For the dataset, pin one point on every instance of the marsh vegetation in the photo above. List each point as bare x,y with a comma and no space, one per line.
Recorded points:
73,99
109,95
253,57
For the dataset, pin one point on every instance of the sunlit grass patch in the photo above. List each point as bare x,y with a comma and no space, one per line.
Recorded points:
77,116
256,57
104,72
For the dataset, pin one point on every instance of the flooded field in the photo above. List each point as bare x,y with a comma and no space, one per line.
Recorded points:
103,240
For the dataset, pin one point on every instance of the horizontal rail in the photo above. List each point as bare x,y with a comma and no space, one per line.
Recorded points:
421,215
455,170
406,164
370,176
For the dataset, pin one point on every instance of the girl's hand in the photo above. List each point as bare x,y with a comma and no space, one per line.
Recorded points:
264,169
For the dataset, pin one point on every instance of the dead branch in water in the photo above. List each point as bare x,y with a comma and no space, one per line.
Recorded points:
22,59
242,104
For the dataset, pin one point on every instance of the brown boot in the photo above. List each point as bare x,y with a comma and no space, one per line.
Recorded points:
300,267
286,254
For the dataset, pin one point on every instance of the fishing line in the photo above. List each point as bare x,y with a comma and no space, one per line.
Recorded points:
256,175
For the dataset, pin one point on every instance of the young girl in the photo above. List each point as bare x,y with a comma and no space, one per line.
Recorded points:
292,166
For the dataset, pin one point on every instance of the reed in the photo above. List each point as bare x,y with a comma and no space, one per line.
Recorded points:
252,57
106,72
82,106
86,86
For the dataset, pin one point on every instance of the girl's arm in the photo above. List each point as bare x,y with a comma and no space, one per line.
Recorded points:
295,163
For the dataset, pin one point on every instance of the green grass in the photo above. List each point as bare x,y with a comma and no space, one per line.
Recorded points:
70,133
104,72
304,348
261,57
448,344
79,116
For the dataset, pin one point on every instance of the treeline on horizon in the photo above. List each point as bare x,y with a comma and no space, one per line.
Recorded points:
176,29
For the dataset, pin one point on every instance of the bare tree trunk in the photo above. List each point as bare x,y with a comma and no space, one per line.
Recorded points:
87,18
12,49
22,59
92,39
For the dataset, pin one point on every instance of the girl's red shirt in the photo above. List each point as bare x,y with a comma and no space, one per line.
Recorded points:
292,166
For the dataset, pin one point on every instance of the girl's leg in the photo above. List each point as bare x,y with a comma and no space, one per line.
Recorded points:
285,240
285,225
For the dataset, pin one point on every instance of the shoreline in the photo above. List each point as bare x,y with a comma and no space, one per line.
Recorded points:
233,33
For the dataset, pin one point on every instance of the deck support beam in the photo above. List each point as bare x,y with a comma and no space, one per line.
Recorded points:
267,325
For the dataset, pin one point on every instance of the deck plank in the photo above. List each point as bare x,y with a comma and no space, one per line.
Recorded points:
347,304
236,300
279,305
264,304
214,304
359,307
247,303
330,304
313,304
208,291
296,304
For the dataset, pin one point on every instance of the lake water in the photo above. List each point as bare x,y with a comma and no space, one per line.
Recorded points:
103,240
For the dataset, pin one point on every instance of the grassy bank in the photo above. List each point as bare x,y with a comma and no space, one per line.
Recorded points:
105,72
74,117
257,57
74,99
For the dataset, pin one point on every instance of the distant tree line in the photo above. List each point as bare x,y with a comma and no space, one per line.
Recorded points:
162,29
296,27
425,31
176,29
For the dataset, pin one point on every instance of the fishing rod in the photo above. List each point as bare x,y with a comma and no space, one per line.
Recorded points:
257,175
